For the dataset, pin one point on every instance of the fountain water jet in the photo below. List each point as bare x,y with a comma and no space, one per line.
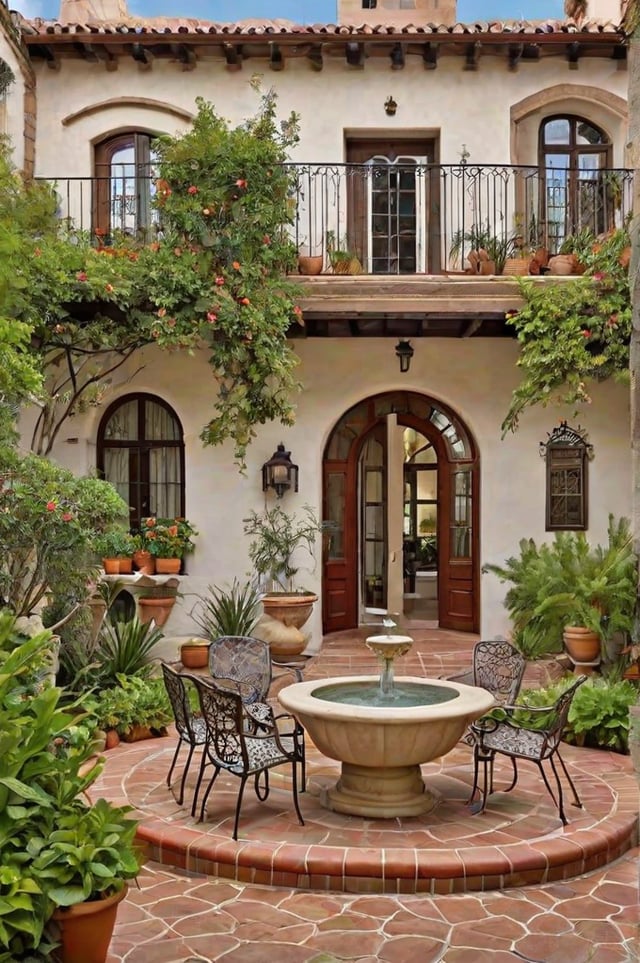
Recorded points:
381,740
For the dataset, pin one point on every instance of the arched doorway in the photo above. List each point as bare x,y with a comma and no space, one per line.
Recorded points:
401,491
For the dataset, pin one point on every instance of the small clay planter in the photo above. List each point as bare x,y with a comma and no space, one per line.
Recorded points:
194,655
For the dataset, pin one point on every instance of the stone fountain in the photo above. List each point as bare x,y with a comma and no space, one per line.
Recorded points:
382,730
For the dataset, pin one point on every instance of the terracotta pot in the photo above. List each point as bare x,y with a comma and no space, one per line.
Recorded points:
157,609
144,562
168,566
582,644
310,264
125,566
516,266
111,566
194,655
136,733
292,610
112,739
86,929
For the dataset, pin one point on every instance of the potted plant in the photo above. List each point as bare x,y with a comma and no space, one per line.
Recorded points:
115,548
56,849
194,654
157,602
168,540
228,611
342,258
276,537
485,251
137,708
143,560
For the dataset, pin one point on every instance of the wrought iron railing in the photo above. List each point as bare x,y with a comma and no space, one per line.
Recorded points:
385,218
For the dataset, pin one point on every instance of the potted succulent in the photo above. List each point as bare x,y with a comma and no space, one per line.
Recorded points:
115,548
168,540
342,259
276,537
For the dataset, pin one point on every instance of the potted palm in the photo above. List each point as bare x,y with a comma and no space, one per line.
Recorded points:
276,537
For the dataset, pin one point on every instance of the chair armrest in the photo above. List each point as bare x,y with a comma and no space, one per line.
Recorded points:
246,691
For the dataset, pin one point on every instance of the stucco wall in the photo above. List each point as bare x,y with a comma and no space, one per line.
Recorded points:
466,107
473,376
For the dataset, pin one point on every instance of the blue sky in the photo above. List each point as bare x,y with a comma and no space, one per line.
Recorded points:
302,11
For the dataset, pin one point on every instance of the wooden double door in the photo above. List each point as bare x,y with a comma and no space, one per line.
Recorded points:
400,491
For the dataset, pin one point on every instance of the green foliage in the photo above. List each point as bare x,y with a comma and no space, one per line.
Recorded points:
545,697
573,331
214,276
482,238
124,648
228,611
569,582
134,700
599,714
115,543
49,520
276,537
45,769
88,855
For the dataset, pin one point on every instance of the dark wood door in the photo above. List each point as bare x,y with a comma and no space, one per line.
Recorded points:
457,568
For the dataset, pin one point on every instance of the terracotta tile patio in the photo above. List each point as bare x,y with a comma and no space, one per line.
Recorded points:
447,886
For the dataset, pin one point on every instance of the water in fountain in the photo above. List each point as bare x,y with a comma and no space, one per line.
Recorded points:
387,693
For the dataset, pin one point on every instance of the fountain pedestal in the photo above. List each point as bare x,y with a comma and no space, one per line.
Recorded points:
382,793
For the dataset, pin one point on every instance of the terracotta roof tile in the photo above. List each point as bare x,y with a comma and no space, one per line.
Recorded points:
166,25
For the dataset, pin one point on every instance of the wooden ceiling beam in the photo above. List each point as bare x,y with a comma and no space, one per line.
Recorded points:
233,56
472,56
315,57
355,55
142,56
276,60
573,55
430,56
186,56
516,51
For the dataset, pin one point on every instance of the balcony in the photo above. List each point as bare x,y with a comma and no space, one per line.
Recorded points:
407,236
388,219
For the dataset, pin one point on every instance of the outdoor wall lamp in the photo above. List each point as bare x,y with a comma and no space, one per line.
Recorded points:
279,472
390,106
404,352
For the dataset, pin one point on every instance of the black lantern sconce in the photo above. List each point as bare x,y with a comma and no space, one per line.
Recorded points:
279,472
404,352
390,106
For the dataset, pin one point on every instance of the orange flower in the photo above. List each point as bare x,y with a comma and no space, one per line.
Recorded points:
236,265
172,530
150,522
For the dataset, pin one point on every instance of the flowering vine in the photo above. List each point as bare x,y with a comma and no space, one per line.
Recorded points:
574,331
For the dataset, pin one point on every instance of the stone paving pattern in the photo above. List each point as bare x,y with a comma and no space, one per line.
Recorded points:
178,915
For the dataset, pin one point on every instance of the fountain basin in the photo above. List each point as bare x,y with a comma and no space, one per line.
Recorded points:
382,748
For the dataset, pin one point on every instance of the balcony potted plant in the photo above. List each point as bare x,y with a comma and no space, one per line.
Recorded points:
276,537
168,540
343,260
115,548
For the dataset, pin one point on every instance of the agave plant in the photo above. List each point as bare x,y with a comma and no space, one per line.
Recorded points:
125,648
228,611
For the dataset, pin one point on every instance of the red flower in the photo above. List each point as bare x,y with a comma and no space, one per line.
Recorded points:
192,190
266,239
297,311
81,276
219,282
245,301
613,320
51,506
586,333
211,317
241,182
67,517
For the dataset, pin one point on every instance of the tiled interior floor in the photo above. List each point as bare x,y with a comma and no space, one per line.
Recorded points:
332,914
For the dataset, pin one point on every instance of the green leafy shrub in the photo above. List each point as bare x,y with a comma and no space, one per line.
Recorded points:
134,701
599,714
231,611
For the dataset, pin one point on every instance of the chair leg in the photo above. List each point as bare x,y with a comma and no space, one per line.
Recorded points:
557,801
576,798
303,762
243,782
560,793
485,757
203,763
514,766
476,768
206,795
184,774
294,778
173,764
265,773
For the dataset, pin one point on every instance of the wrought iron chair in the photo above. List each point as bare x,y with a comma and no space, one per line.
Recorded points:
498,667
242,738
192,730
519,741
249,661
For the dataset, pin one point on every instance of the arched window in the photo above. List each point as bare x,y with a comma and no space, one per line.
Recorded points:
579,190
141,452
125,186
